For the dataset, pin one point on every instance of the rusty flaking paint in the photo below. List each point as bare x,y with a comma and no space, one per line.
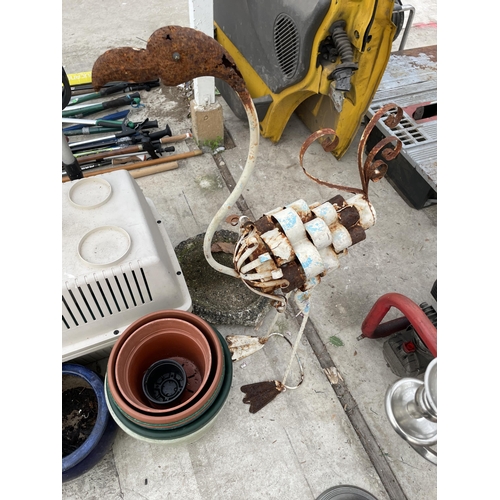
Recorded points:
374,171
304,213
267,239
242,346
175,55
264,224
292,276
295,275
279,246
369,170
338,202
357,234
349,216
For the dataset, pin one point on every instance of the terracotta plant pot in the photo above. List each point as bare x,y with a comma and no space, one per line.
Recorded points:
178,419
182,435
160,339
199,404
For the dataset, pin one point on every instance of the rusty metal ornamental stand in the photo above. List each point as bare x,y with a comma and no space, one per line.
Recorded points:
290,248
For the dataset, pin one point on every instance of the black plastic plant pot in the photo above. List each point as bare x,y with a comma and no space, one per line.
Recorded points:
101,429
164,382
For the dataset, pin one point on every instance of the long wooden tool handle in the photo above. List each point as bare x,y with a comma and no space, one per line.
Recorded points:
140,164
170,165
155,169
157,161
176,138
130,149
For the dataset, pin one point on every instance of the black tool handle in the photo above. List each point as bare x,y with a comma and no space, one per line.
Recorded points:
66,93
119,139
121,101
161,133
113,89
144,86
148,124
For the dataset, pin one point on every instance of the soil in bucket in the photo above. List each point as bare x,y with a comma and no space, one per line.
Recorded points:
79,415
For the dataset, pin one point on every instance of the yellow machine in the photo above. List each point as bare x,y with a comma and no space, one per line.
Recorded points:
322,59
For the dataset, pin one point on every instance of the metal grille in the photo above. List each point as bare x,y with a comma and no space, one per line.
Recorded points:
99,295
407,130
286,44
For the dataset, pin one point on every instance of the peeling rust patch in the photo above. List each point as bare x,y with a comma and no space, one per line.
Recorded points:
243,346
338,202
295,275
349,217
175,55
264,224
357,234
279,245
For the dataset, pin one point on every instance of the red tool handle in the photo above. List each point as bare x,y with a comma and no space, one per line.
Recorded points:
414,313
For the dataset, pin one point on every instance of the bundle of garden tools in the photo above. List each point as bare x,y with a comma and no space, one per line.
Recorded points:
127,144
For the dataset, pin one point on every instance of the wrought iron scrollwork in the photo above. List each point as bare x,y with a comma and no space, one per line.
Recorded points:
370,169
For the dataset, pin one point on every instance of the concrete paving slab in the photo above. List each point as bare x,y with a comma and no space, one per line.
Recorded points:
306,440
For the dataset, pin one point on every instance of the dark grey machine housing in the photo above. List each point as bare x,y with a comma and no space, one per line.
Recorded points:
275,37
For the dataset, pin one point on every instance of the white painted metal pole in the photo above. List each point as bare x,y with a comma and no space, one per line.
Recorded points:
201,18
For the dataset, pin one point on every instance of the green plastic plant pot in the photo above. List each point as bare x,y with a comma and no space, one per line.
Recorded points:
184,434
140,435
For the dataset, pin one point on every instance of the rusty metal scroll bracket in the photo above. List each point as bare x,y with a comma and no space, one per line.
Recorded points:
369,170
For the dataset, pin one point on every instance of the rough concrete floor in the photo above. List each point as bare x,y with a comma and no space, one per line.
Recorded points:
313,438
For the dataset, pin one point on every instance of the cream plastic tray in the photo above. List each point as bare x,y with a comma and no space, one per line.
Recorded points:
118,263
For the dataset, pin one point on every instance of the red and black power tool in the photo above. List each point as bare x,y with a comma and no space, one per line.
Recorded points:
412,342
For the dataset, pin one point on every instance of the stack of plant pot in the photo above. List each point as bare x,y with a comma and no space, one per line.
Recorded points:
168,377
